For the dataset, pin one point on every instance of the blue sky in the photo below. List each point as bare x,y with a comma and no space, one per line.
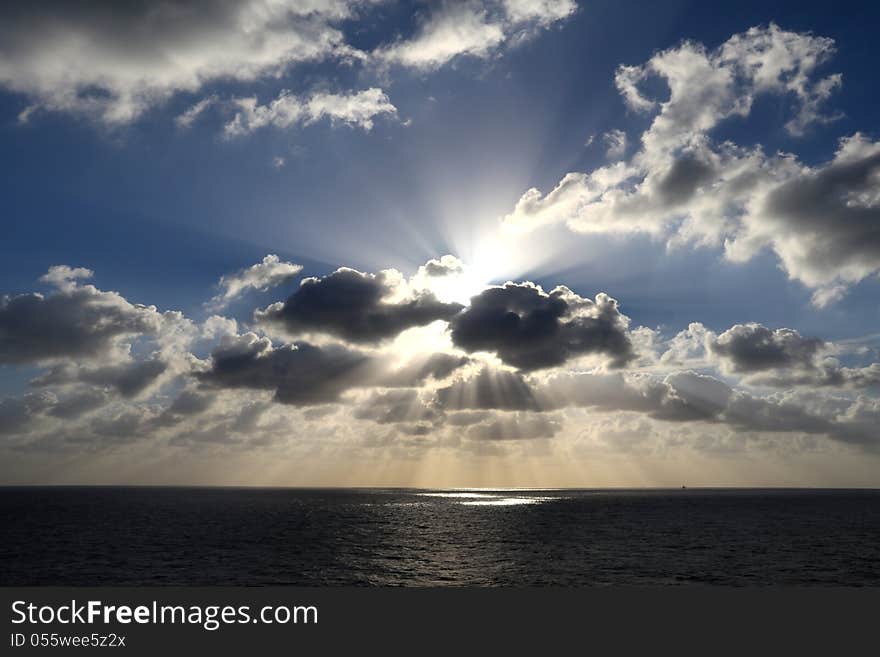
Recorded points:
159,212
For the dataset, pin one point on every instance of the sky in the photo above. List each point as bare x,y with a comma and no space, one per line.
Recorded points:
488,243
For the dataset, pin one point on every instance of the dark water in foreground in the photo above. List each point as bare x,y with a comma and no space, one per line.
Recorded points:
118,536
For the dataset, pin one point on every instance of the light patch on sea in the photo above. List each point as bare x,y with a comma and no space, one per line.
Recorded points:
492,499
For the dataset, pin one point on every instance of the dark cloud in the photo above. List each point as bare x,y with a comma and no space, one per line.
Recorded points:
191,402
74,322
128,378
188,403
784,358
530,329
826,223
354,306
753,347
300,374
126,426
680,182
17,413
79,403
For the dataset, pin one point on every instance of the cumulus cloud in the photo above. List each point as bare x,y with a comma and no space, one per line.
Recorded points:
124,372
682,186
299,374
269,273
531,329
74,321
303,374
354,306
753,347
447,265
785,358
356,109
822,221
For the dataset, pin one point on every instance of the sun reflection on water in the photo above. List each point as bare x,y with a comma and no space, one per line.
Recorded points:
490,499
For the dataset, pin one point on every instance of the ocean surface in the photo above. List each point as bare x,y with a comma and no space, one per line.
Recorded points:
369,537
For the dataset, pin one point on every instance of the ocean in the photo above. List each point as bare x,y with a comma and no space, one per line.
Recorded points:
404,537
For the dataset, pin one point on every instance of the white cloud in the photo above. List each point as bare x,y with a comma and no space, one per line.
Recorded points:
458,30
189,117
111,62
271,272
114,64
615,144
683,186
475,29
65,277
287,110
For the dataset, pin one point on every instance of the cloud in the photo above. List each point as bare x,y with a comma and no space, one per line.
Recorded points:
395,407
822,221
114,62
355,306
64,276
75,321
692,397
79,403
472,29
748,348
417,370
544,12
489,390
356,109
124,372
530,329
679,397
615,144
708,86
129,378
515,426
299,374
447,265
269,273
680,185
16,413
186,120
784,358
